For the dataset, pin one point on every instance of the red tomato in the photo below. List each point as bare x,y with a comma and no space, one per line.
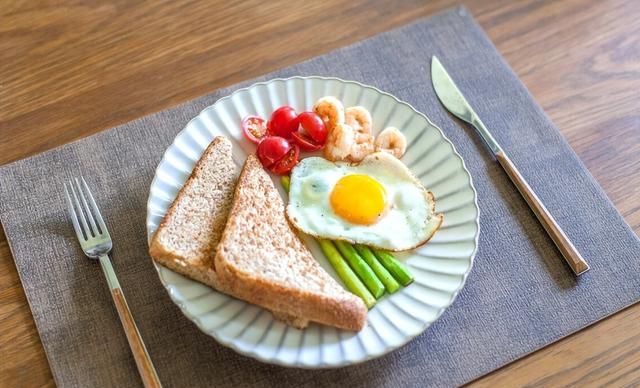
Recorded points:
313,126
304,142
284,121
288,162
254,128
271,149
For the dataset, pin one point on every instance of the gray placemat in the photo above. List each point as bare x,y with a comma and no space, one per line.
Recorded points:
519,296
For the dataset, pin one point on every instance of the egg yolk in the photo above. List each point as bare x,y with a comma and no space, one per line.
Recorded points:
358,199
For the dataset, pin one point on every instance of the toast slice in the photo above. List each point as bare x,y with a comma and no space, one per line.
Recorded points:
188,236
262,260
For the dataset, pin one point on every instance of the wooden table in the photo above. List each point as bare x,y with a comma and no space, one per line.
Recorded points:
74,69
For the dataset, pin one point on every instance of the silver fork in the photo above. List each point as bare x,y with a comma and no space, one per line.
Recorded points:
96,243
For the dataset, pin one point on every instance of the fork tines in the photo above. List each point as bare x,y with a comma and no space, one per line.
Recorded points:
82,207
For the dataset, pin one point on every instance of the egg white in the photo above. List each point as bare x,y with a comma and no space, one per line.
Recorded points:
409,221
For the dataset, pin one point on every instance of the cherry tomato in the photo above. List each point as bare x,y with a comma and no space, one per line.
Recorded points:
271,149
283,122
314,127
288,162
254,128
305,143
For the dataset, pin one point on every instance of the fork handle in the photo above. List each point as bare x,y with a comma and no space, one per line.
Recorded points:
571,255
139,350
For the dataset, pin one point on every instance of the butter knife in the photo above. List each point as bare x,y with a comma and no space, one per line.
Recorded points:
451,97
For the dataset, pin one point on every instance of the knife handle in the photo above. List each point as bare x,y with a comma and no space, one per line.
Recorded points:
140,355
568,250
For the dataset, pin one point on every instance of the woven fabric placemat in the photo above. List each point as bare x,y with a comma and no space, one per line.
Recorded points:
519,297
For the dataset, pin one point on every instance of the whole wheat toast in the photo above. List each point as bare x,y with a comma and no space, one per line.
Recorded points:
187,238
189,233
262,260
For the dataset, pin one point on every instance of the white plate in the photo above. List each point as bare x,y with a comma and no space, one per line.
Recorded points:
440,267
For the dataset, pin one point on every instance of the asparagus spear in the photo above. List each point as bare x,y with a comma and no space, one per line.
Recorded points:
394,266
286,182
360,267
351,281
390,284
346,274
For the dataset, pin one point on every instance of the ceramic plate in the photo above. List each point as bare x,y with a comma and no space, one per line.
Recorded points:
440,267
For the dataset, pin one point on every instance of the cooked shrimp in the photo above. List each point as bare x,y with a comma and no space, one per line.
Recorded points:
360,119
343,143
392,141
340,140
362,146
330,110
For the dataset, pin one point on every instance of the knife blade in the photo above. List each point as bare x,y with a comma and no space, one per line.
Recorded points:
454,101
451,97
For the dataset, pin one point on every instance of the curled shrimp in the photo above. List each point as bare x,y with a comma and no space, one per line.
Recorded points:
360,119
330,110
362,146
391,140
339,142
344,143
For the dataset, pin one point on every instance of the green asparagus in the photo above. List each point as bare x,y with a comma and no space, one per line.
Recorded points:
394,266
286,182
361,268
390,284
349,278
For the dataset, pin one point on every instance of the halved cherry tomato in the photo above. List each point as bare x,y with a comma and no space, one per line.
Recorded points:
313,126
288,162
283,122
305,143
271,149
254,128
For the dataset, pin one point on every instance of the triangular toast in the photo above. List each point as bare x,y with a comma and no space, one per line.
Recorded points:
262,260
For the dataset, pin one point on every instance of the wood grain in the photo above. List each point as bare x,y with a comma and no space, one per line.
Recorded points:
569,252
143,361
71,68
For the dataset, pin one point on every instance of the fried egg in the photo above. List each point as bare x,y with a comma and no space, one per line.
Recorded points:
377,202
